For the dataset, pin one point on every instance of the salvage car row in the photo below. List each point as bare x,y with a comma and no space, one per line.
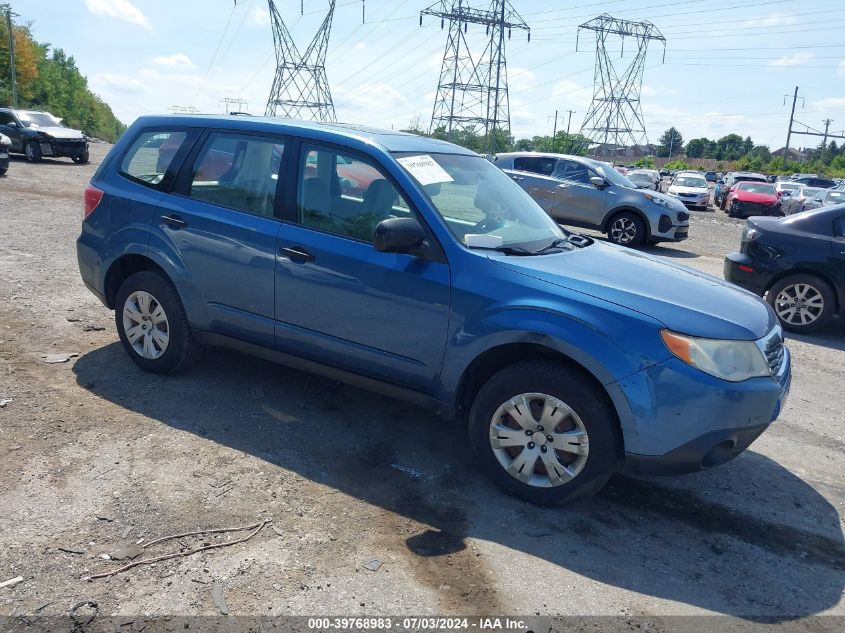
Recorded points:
37,134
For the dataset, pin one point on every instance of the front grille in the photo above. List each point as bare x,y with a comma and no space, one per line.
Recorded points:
688,195
773,350
70,144
683,216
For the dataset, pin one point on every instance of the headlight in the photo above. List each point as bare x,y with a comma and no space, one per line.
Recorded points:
672,192
729,360
656,200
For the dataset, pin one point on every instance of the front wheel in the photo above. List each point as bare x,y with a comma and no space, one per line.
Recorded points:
543,433
80,159
802,303
627,229
32,151
152,324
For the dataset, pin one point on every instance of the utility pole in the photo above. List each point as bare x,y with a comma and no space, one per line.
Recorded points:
671,145
9,15
568,123
791,117
554,129
827,123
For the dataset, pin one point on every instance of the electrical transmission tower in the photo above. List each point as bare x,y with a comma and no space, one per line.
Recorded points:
300,89
472,93
615,116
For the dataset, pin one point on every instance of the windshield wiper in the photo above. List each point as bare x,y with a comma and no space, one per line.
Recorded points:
555,244
507,250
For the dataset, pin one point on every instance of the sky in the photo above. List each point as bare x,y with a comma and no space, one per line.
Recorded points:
729,65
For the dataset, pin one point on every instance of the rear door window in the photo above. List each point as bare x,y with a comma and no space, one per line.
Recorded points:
536,164
238,171
150,158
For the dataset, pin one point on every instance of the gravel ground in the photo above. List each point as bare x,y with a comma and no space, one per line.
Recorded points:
95,455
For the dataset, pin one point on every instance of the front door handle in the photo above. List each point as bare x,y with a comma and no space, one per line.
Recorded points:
174,221
517,178
297,253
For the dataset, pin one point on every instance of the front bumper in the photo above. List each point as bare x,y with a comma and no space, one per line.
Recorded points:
747,209
669,230
69,148
697,201
688,421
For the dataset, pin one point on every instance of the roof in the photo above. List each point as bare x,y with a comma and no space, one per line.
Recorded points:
389,140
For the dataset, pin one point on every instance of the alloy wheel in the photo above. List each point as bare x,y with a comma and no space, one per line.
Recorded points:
539,440
623,230
799,304
145,325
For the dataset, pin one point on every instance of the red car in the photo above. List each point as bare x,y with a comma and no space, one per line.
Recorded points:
752,198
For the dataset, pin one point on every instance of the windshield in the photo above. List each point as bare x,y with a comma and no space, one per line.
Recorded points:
38,119
757,187
809,192
836,197
475,197
691,181
610,174
749,179
788,185
641,178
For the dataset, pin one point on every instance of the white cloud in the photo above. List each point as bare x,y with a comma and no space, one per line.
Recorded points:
520,78
118,82
792,60
177,61
259,16
170,81
773,19
120,10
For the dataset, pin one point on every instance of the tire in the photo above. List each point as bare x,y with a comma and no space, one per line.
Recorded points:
32,151
590,424
790,294
80,159
626,228
171,344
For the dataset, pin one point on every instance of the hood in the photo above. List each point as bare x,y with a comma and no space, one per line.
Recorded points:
58,132
760,198
695,190
684,300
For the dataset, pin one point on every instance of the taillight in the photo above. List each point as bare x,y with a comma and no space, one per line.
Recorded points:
91,198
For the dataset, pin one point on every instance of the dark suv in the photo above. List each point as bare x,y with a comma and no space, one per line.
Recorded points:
815,181
434,278
37,134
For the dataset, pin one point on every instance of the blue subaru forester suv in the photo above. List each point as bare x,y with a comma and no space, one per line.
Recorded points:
418,269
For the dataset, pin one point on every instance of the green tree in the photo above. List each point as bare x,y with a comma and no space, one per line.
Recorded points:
699,148
670,142
730,147
646,162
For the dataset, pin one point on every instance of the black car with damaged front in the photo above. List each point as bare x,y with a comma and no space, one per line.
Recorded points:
37,134
797,263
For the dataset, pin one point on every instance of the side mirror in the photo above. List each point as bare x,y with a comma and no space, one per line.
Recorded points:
598,182
398,235
12,124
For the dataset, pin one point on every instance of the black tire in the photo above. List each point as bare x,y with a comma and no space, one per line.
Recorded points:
32,151
81,159
819,287
639,235
571,387
181,349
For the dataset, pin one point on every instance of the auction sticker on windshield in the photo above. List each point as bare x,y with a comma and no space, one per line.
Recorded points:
424,169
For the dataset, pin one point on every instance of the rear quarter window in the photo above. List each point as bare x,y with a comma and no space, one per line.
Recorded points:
149,159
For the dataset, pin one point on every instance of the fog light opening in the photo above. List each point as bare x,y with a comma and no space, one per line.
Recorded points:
720,453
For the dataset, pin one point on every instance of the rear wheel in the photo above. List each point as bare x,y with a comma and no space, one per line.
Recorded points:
626,228
543,433
32,151
802,303
152,324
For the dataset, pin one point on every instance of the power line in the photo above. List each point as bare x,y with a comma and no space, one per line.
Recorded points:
216,50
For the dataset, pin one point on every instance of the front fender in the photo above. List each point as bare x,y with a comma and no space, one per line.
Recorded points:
610,342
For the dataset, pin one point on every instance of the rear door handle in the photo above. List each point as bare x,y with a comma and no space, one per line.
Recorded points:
297,252
175,221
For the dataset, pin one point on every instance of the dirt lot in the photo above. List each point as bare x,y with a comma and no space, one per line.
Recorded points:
94,454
